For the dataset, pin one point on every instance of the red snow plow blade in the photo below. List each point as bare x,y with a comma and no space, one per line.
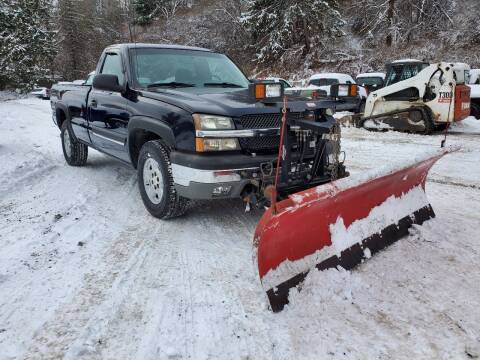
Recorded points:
339,224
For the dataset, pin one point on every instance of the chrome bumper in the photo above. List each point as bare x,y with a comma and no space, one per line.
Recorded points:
209,184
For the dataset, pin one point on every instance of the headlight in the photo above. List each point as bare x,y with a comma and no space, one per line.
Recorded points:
212,122
203,144
343,90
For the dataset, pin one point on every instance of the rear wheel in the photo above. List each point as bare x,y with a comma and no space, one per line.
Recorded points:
75,152
156,184
418,116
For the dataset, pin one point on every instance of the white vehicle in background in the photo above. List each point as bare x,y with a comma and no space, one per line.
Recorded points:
41,92
371,81
324,81
419,97
60,88
286,84
474,84
300,91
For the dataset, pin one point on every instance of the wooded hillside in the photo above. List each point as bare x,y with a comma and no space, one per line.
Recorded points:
291,38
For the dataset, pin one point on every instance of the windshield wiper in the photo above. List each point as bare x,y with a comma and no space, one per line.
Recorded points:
172,84
223,84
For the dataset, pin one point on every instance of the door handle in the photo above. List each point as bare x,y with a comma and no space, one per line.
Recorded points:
93,103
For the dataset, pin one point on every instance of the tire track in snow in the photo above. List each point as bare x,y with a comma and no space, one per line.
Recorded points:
99,294
202,293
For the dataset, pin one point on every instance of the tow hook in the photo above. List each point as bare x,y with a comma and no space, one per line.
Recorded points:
249,197
266,168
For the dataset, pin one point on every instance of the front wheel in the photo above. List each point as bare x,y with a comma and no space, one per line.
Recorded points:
75,152
156,184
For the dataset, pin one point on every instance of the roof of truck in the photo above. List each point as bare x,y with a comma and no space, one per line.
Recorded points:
341,77
158,46
371,74
407,61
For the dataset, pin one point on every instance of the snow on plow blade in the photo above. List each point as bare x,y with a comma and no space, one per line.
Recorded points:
339,224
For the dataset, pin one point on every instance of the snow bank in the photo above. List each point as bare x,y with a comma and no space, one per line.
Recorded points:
469,125
325,286
8,95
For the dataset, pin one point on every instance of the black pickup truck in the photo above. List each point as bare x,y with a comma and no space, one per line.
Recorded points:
193,126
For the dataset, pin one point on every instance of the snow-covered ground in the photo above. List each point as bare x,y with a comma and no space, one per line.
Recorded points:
86,273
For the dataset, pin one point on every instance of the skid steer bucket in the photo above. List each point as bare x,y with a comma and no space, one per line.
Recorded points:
339,224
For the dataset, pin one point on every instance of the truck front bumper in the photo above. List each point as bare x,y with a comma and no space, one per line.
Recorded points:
216,176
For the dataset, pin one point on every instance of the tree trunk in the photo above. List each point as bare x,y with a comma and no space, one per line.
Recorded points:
390,15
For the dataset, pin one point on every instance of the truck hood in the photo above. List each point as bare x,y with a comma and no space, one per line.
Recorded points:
227,102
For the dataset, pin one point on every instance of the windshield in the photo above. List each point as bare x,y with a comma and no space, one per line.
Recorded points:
181,69
323,82
400,72
369,81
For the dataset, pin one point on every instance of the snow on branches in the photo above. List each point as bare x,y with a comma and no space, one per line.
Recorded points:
26,42
292,28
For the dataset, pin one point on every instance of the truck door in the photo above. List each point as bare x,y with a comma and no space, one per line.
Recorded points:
108,119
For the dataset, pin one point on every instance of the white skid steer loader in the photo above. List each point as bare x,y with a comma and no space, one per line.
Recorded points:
419,97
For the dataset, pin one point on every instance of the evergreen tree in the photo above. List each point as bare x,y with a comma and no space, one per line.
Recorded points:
303,27
86,27
27,45
147,10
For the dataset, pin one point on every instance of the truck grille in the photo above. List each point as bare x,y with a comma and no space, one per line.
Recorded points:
261,143
263,121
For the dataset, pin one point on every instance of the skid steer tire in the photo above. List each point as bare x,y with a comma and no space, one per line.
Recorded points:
75,152
428,121
156,184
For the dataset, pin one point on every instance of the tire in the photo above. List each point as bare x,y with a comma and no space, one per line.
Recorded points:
429,126
475,111
425,115
156,184
75,152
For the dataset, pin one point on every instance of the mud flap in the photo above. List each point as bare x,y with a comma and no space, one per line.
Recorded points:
339,224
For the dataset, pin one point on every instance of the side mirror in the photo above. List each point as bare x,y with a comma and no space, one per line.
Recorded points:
107,82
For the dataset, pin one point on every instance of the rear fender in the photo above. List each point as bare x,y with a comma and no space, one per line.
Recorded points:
62,107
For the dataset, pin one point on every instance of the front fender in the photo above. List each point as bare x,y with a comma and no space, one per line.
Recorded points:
153,125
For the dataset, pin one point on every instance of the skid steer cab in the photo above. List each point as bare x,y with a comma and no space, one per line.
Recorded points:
419,97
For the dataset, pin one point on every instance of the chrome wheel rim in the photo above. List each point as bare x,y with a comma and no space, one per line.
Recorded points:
66,143
153,180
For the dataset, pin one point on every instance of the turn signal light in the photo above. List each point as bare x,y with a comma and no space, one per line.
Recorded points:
260,91
205,144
